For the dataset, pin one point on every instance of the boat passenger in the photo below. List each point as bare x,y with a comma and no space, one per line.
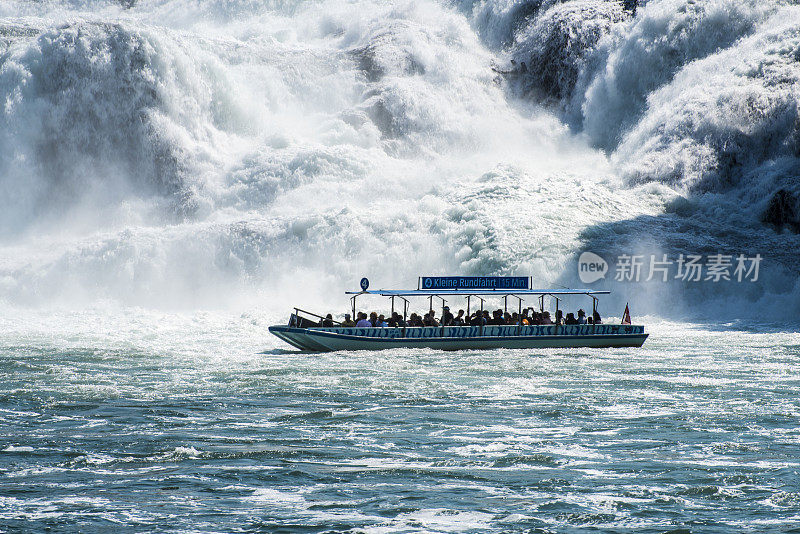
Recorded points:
497,318
363,322
581,317
570,319
381,322
546,318
559,317
430,319
458,320
596,316
447,317
347,323
396,321
327,321
373,319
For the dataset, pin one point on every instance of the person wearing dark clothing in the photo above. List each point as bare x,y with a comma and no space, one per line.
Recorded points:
497,318
447,317
397,321
430,319
327,321
571,319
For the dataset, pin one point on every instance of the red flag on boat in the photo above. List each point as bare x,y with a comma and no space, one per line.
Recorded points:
626,317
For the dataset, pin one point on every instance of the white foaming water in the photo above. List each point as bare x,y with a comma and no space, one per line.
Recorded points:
176,154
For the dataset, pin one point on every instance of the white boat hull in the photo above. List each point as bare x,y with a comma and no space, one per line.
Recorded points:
319,339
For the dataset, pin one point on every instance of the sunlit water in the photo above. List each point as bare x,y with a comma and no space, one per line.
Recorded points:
206,423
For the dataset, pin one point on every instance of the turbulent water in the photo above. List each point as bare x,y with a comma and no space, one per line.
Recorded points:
188,429
176,175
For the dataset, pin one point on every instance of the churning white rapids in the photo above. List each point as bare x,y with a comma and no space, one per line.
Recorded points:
189,154
177,174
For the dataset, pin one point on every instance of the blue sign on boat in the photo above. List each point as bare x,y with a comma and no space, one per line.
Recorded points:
364,284
475,282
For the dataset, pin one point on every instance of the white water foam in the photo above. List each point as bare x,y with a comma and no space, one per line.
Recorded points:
185,155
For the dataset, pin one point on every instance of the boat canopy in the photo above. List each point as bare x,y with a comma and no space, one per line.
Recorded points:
473,286
478,287
477,292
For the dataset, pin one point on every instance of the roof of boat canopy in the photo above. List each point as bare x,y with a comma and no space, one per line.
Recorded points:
472,286
477,292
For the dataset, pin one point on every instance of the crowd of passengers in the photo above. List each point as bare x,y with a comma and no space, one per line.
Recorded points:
529,316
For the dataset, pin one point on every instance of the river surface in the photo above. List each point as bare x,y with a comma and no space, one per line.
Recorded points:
205,423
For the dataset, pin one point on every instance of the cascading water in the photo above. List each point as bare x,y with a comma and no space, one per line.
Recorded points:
155,154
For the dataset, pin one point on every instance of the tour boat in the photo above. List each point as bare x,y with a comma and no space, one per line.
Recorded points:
307,335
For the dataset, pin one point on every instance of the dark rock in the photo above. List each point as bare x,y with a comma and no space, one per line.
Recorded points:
782,211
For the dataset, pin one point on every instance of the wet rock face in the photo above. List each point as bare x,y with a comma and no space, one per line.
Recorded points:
630,5
782,211
554,47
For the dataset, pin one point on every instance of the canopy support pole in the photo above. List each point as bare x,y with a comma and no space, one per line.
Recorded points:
556,315
480,323
441,321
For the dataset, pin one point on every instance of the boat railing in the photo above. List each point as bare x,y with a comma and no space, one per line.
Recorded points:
298,311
